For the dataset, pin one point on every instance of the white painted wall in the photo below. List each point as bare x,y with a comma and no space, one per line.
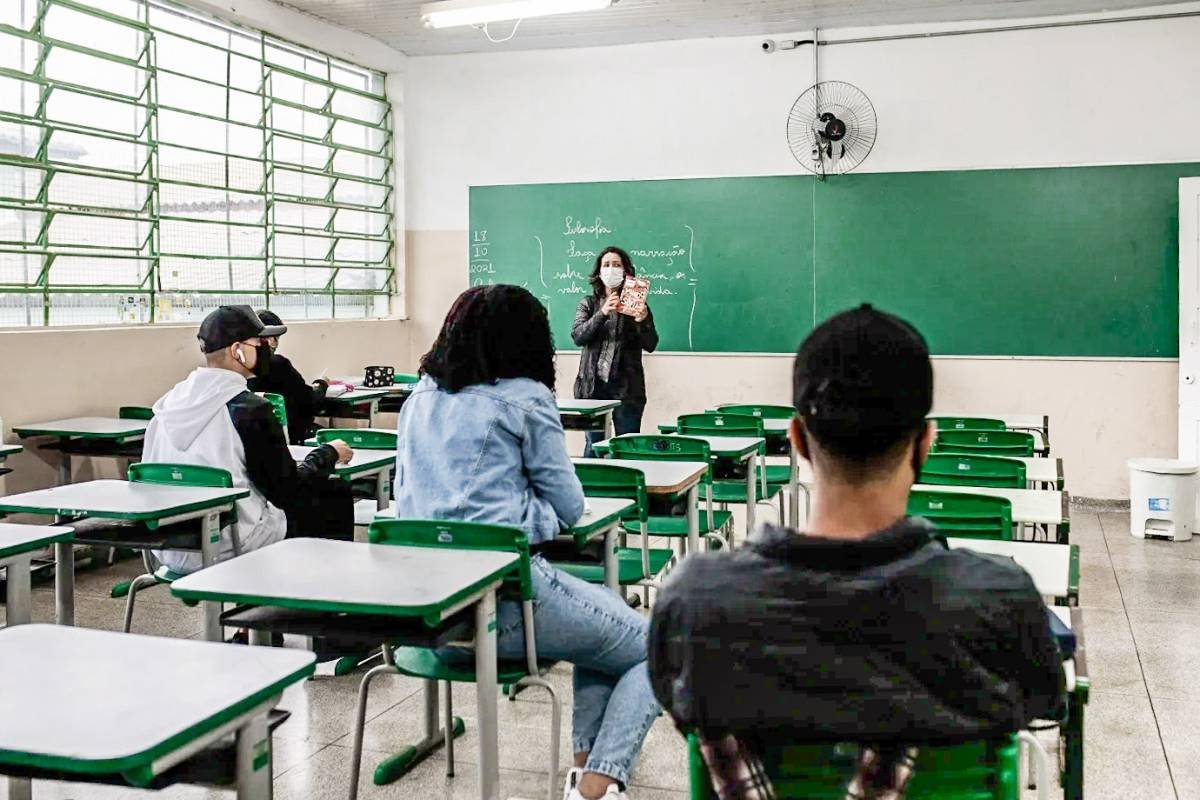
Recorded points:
1067,96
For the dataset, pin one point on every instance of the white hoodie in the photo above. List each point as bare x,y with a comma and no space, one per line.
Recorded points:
192,425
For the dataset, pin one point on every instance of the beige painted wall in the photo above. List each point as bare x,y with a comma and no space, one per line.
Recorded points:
56,373
1102,412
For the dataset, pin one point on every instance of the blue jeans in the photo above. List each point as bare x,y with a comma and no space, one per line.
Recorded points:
627,418
591,627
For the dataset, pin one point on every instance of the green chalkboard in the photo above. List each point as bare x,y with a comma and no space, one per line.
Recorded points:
1076,261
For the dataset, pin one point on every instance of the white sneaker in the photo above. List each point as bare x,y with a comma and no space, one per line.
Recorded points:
612,793
573,776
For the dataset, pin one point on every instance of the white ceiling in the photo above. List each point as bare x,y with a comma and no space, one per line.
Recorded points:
397,22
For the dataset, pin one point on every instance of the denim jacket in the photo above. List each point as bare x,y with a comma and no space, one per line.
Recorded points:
492,453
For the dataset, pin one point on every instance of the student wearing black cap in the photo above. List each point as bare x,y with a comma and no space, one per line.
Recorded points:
212,419
866,628
300,398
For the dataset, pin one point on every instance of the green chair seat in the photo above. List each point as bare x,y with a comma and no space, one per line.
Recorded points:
629,566
677,526
449,665
735,491
776,473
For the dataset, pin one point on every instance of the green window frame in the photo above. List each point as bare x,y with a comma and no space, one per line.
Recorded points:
156,163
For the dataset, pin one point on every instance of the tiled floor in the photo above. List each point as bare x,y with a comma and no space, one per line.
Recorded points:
1139,599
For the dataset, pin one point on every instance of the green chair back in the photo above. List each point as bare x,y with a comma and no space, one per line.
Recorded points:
278,406
969,424
949,469
459,536
135,412
648,447
611,480
970,515
981,770
405,378
715,423
765,412
359,438
180,474
985,443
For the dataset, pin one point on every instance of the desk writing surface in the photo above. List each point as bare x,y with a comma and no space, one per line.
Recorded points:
662,477
154,694
362,461
601,512
1040,506
86,427
328,575
1048,564
17,539
358,396
585,408
120,500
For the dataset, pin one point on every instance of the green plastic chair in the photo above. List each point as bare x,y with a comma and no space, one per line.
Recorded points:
979,770
447,666
182,475
949,469
969,424
635,565
1013,444
975,516
405,378
359,438
278,406
775,473
135,412
649,447
722,424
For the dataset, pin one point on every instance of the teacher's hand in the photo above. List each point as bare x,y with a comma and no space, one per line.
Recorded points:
641,315
610,303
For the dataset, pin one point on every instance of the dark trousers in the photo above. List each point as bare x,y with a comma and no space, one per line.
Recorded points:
324,511
627,417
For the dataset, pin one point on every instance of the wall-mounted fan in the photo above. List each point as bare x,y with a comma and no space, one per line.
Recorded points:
831,128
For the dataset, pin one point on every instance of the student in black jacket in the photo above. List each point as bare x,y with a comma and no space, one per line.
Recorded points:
866,628
301,398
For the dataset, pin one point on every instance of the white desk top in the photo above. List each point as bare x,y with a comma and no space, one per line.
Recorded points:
9,449
1041,470
357,382
361,463
662,477
120,500
600,513
1039,506
567,405
1048,564
149,690
328,575
17,539
358,396
97,427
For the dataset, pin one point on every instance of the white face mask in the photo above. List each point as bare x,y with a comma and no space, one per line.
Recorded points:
612,277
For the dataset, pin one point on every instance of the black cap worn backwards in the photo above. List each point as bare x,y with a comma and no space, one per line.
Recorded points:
863,382
271,319
229,324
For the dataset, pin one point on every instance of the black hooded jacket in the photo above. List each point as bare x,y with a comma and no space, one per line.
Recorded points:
891,638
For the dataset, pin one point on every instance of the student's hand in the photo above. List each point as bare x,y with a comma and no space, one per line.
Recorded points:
344,452
610,304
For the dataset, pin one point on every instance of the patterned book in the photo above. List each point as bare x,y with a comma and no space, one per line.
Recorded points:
633,296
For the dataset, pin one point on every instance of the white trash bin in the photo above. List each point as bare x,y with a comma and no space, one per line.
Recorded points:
1162,498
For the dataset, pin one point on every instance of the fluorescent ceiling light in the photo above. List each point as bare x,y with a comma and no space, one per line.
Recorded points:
450,13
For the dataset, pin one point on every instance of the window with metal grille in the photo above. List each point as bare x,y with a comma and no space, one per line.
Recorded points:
156,163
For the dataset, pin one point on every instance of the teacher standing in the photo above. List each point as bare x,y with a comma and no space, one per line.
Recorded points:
610,366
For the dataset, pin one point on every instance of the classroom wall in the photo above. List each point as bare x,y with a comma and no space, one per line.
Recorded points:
58,373
718,107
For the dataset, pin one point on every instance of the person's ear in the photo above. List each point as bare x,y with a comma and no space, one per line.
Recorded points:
927,439
798,440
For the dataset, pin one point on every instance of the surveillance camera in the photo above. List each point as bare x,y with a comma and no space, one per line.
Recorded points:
768,46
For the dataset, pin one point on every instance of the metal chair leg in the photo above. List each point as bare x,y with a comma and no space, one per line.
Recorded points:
448,727
135,586
555,730
360,723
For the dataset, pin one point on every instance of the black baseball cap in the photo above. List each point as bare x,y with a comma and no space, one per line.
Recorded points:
271,319
229,324
863,383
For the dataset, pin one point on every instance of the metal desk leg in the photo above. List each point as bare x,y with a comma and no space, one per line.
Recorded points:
382,489
19,596
64,583
64,466
210,551
794,487
254,760
751,496
485,698
608,425
372,409
611,567
693,518
19,789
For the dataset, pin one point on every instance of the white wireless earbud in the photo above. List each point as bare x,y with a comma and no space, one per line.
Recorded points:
241,356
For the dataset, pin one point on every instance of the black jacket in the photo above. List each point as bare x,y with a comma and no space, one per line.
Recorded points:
313,504
300,398
634,337
892,638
